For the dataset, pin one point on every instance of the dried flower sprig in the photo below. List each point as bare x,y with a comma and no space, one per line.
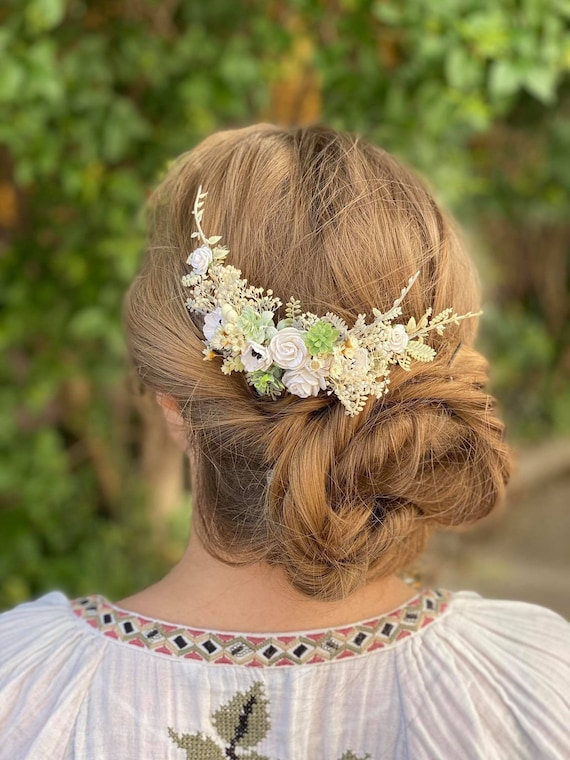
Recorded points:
303,353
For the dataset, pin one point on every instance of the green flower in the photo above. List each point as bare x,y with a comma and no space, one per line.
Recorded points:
267,382
321,337
256,327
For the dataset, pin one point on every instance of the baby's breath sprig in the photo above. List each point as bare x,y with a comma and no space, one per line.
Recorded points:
303,353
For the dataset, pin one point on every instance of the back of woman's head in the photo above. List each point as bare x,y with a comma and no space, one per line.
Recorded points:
340,225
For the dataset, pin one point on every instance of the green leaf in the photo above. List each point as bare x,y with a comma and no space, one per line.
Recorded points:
541,82
42,15
462,70
11,79
244,720
91,322
388,13
505,78
197,745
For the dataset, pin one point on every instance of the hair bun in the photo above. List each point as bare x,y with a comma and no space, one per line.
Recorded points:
348,504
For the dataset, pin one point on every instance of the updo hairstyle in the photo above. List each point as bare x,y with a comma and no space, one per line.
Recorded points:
341,225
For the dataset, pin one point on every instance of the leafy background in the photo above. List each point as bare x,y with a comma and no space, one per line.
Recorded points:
96,97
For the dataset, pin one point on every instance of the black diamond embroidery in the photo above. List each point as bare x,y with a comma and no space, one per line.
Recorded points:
180,642
107,618
128,627
357,641
269,652
387,629
209,646
300,650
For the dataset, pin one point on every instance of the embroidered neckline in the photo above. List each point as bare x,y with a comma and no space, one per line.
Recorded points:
295,648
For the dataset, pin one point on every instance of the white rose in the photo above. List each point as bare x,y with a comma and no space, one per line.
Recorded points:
398,339
255,356
212,321
288,348
200,259
304,381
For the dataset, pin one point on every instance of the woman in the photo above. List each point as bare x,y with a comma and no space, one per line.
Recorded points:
327,436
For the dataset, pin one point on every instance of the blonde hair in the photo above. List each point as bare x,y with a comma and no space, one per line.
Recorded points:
341,225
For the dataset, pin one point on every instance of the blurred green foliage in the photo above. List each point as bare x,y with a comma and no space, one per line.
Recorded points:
96,97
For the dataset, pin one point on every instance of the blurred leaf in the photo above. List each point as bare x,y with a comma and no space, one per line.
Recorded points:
505,78
541,82
43,15
462,70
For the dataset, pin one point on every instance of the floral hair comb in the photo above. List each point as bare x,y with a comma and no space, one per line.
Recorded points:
303,353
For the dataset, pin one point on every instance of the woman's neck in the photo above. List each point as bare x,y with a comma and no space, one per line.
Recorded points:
200,591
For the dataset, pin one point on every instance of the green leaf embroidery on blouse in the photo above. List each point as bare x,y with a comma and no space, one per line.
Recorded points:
244,721
197,746
241,723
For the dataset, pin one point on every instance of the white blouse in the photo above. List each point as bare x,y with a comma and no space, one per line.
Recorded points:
446,676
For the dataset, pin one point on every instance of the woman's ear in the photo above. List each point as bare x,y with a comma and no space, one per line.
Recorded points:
174,421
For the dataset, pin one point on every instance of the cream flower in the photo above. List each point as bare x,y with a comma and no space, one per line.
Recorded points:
338,363
351,344
229,337
361,360
255,356
288,348
211,322
305,381
397,339
229,314
221,315
200,259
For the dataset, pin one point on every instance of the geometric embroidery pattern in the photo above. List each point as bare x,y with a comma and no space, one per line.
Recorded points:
305,648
